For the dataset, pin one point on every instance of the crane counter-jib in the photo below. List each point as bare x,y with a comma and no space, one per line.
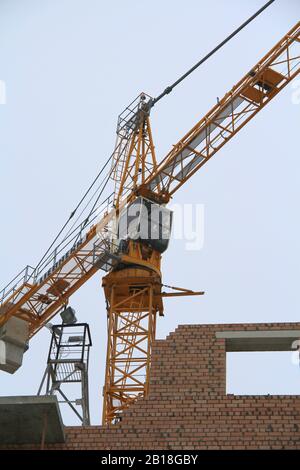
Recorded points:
36,295
39,297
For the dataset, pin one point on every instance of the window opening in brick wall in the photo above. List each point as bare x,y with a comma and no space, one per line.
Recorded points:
262,373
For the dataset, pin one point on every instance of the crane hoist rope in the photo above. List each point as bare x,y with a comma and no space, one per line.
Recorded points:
212,52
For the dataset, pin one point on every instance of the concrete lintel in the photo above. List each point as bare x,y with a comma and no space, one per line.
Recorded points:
259,340
23,419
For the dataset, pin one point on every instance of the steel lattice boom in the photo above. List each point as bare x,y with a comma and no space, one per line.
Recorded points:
251,94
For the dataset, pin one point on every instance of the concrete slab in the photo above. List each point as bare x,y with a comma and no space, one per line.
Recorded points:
23,418
263,340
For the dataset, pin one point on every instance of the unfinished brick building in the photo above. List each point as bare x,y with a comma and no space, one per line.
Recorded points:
188,408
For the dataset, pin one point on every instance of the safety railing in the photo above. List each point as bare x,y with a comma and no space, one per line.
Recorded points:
70,243
23,277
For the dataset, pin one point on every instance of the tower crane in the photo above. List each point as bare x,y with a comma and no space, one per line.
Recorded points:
110,239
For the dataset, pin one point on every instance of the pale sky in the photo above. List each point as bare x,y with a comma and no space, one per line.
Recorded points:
70,67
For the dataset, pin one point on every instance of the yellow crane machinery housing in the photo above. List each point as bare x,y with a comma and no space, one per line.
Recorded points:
133,282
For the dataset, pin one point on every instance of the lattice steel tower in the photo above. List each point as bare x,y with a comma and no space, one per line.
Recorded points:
67,365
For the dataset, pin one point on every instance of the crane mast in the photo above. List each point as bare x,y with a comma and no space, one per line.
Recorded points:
133,283
134,158
133,288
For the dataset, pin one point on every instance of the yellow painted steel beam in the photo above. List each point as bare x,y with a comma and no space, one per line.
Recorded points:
251,94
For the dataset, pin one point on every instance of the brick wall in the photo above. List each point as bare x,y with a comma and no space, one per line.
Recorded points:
187,407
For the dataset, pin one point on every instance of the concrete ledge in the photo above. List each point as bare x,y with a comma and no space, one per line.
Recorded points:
263,340
24,419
